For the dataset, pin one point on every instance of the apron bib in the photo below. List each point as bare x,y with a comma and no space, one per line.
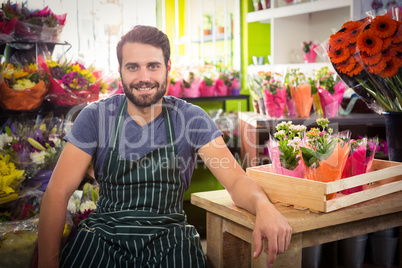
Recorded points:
139,220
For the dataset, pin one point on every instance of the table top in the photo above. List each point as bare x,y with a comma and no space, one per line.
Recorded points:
262,121
220,203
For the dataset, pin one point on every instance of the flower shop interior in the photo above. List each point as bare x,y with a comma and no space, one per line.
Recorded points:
292,84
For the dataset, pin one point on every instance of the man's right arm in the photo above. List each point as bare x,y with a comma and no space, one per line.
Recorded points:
67,175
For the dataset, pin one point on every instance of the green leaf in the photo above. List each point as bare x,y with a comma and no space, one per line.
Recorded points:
8,131
36,144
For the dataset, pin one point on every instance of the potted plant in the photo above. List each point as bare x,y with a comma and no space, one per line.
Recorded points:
257,5
207,24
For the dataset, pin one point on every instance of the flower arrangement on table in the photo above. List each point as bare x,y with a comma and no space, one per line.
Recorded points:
70,83
330,90
367,55
41,25
274,94
284,149
325,154
22,87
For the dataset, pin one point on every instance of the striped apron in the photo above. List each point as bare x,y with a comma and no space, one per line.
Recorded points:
139,220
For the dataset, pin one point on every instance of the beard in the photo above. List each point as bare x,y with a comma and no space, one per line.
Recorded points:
144,100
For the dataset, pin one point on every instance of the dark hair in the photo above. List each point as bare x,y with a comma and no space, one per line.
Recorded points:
145,35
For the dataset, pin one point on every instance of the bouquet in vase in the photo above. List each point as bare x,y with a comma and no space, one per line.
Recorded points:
284,149
367,56
70,83
325,154
22,87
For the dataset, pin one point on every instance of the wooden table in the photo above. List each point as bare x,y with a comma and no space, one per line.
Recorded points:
229,228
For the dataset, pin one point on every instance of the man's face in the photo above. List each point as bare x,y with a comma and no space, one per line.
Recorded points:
143,73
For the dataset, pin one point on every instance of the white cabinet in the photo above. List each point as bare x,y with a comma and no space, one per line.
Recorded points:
307,21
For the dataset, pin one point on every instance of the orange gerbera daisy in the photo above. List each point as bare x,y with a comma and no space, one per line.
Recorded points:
397,39
356,70
339,40
368,42
346,24
383,26
386,43
371,60
378,68
338,55
353,30
391,68
346,66
397,47
388,54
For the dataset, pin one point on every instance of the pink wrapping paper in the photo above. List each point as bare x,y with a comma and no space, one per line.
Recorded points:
220,88
274,154
206,91
193,91
275,103
176,90
330,103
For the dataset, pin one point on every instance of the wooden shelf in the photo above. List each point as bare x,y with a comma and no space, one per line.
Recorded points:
265,16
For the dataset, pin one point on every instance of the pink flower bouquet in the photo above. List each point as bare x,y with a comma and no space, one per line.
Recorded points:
359,161
175,88
275,102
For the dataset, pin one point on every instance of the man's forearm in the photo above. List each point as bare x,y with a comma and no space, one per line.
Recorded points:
51,226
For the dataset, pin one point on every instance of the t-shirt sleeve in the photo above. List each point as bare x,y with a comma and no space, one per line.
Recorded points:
200,128
84,132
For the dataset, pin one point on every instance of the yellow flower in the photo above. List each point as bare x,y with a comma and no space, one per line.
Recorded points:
52,63
75,68
23,84
8,173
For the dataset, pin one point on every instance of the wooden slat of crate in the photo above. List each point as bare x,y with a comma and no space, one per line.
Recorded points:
385,178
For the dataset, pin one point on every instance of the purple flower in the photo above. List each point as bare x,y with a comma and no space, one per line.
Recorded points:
57,72
67,78
81,81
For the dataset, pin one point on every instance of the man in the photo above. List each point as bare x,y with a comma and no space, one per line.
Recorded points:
143,147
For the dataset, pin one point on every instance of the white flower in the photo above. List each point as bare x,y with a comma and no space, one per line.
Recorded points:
294,143
4,140
72,207
87,205
38,157
55,140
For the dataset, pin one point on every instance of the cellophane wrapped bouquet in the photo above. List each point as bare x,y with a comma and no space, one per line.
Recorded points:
360,160
284,149
34,25
324,155
70,83
330,90
22,87
274,92
366,54
300,90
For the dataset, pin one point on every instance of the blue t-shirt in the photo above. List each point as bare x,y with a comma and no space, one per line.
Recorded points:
94,125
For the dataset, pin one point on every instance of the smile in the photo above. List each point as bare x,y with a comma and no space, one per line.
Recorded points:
144,88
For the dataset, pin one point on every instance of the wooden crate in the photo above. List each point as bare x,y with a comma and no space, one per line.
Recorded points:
385,178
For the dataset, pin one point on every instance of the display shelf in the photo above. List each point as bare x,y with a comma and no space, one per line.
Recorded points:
255,130
222,99
310,21
265,15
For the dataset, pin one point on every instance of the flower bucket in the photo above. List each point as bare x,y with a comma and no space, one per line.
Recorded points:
193,91
27,99
207,91
275,103
291,107
235,91
274,153
220,88
330,169
393,128
330,103
176,89
310,57
303,99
